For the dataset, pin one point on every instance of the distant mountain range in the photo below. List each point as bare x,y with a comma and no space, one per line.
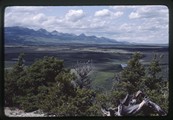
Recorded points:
25,36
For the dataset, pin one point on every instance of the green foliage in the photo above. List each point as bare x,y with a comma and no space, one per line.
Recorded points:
83,100
63,99
25,87
48,86
116,96
45,70
156,87
133,74
60,103
154,79
11,79
40,76
136,77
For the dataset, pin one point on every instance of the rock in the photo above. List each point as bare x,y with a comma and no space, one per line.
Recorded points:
38,112
20,113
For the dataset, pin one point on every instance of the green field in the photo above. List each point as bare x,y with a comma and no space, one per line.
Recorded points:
106,59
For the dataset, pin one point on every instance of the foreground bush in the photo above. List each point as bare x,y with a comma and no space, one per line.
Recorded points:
47,85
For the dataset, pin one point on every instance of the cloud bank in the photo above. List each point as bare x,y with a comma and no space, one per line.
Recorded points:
140,24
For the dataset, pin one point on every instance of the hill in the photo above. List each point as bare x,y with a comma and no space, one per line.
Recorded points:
25,36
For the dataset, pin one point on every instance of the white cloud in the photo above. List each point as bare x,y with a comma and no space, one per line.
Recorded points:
23,9
134,15
35,18
149,12
97,23
127,27
102,13
23,16
40,17
107,13
74,15
118,14
121,8
151,22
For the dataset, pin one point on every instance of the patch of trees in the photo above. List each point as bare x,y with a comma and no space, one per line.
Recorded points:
137,77
49,86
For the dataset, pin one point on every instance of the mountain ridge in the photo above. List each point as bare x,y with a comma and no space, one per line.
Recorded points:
27,36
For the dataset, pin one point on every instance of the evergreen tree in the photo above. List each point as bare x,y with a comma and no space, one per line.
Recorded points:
154,78
58,98
12,90
156,87
40,76
132,75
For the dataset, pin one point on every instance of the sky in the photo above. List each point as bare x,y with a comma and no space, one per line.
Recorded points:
139,24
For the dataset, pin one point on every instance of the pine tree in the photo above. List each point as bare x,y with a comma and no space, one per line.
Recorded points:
132,76
154,78
12,77
39,77
156,87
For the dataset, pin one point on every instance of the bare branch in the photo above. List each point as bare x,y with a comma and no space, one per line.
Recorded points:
83,69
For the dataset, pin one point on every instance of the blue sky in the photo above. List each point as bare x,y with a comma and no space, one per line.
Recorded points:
140,24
